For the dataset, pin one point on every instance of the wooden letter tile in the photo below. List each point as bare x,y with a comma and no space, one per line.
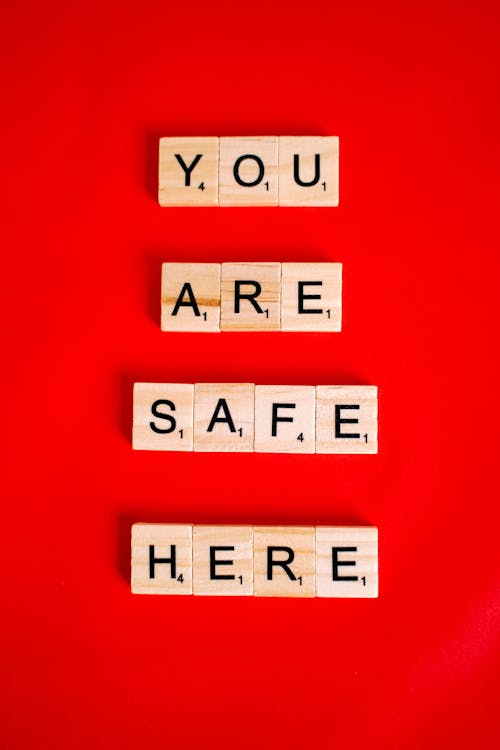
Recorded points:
250,296
223,560
308,171
223,416
311,296
284,418
188,174
163,417
248,171
190,297
284,561
346,419
347,561
161,559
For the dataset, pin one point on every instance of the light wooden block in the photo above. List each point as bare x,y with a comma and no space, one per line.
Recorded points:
190,297
224,417
285,418
250,296
335,406
311,296
188,171
223,560
347,561
254,161
308,171
163,417
162,559
293,546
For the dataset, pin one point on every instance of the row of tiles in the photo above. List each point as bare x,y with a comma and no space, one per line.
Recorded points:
291,561
263,418
210,297
249,171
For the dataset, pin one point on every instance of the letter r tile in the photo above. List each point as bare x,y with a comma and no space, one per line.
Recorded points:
284,561
250,296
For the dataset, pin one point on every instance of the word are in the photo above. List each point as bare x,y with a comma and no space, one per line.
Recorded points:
249,171
298,561
244,417
213,297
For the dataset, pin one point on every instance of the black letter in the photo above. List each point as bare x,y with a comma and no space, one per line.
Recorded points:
213,562
186,289
336,563
339,421
277,419
280,563
222,404
187,169
303,296
156,413
155,560
237,166
296,171
250,297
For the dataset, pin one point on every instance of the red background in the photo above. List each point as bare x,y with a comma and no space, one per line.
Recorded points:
412,91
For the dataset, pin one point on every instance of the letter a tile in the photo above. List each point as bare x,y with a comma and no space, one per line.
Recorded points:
223,417
190,297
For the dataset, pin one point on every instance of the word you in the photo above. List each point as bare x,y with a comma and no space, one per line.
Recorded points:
249,171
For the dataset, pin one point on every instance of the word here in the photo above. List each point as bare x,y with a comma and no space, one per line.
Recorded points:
249,171
290,561
213,297
243,417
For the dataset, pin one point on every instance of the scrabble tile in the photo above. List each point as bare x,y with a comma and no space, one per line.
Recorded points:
346,561
248,171
190,297
163,417
188,171
284,561
223,560
311,296
346,419
161,559
223,417
284,418
308,171
250,296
